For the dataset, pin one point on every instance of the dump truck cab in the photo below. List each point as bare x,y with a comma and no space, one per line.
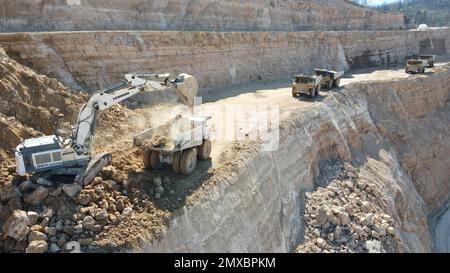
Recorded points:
306,85
330,78
415,66
428,60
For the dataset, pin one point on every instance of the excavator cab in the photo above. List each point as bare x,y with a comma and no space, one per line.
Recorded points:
38,154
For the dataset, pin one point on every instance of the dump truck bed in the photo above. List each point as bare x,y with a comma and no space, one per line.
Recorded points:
174,135
333,74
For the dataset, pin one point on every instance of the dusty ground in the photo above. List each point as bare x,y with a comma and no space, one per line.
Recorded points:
154,195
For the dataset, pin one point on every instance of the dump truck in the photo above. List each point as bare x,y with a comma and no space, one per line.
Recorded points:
306,85
415,66
428,60
330,78
179,142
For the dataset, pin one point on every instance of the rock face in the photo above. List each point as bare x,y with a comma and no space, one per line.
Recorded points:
381,130
256,15
216,59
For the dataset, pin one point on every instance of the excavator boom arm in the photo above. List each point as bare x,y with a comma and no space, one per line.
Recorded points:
186,86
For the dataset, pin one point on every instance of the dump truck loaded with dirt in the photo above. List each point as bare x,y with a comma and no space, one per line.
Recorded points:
178,142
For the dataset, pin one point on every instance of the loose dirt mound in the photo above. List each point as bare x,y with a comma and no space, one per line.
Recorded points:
11,133
36,102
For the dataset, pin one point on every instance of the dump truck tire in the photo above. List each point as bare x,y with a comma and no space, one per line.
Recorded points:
155,163
147,159
330,85
176,162
188,162
317,91
337,82
204,150
431,64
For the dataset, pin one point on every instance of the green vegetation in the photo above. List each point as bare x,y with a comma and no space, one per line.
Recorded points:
430,12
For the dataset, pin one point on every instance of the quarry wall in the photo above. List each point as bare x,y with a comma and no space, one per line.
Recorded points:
212,15
91,60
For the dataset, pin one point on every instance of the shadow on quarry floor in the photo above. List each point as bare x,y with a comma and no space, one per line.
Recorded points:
252,87
177,187
309,99
356,71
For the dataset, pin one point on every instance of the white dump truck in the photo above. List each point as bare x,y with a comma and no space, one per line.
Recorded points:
330,78
428,60
178,142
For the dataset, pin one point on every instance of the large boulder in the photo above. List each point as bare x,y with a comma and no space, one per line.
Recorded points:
44,182
37,196
72,189
88,222
33,217
8,191
5,212
37,236
37,247
17,225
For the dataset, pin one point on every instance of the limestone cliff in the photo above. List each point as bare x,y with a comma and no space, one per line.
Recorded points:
249,15
87,61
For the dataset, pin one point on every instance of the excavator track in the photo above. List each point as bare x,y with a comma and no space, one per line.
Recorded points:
94,167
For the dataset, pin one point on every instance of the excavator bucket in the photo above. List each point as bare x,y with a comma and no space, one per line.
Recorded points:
187,88
94,167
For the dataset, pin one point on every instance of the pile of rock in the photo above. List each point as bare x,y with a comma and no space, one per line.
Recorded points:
34,223
25,232
348,216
